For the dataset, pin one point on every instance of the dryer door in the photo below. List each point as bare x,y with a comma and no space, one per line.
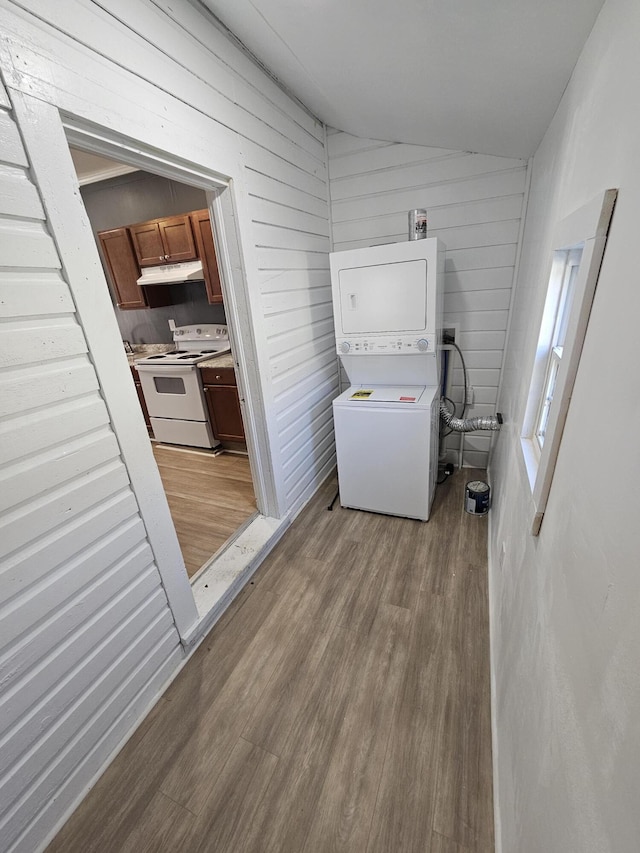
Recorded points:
384,298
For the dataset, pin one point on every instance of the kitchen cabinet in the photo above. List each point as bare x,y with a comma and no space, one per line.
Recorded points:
203,234
143,404
163,241
223,403
122,266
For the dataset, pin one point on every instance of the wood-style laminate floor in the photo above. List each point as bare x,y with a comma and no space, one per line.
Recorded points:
340,704
209,496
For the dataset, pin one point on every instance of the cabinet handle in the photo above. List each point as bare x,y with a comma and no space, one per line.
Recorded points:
218,377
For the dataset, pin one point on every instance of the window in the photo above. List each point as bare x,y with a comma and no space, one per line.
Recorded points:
562,308
579,243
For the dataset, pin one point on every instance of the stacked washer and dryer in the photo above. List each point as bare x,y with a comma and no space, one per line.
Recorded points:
387,303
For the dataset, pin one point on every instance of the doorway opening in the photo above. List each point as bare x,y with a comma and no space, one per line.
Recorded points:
206,474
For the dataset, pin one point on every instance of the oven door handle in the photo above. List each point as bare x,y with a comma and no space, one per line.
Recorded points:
166,369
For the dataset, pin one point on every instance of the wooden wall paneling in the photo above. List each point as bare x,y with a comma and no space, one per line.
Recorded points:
18,196
66,544
10,142
246,74
266,210
474,205
138,54
118,687
56,424
273,189
43,700
113,69
455,166
29,293
79,583
506,183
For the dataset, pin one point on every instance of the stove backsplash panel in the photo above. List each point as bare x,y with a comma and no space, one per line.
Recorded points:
151,326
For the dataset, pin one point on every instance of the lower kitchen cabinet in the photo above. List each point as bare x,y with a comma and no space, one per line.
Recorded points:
223,403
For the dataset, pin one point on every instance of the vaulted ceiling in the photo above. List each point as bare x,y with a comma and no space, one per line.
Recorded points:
473,75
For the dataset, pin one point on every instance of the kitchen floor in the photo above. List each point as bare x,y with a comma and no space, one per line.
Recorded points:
342,703
209,496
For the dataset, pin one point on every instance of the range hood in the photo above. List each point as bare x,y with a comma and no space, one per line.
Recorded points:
172,273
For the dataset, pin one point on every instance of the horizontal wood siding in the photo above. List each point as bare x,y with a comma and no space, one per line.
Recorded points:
474,205
175,51
81,602
289,212
88,632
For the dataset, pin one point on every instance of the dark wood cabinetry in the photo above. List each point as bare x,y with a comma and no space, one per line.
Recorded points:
143,403
163,241
203,234
171,240
223,403
124,272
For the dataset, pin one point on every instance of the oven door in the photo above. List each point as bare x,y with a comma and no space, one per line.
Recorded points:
173,391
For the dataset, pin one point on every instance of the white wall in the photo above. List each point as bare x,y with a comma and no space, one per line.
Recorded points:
564,606
87,637
474,205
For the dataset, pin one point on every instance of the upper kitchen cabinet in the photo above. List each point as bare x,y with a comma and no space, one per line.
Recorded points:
120,259
163,241
203,234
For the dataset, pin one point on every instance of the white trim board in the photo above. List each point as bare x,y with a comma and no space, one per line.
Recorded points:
587,227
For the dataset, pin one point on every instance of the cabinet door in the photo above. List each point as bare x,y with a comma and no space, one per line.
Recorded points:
224,411
177,238
123,269
143,405
203,234
148,245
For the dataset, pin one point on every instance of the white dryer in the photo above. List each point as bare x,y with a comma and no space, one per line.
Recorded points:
387,304
385,439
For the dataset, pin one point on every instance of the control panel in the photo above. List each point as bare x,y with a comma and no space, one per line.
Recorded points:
386,345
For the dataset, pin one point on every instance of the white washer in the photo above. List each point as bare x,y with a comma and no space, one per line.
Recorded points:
386,437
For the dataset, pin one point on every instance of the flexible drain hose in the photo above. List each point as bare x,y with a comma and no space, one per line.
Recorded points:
469,424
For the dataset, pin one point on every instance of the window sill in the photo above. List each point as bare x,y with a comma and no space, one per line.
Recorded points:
531,460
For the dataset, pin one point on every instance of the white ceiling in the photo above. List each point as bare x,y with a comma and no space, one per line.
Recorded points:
472,75
91,167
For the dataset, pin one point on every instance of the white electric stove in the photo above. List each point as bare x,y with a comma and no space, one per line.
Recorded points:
172,385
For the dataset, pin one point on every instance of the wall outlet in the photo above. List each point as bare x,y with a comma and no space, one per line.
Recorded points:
451,332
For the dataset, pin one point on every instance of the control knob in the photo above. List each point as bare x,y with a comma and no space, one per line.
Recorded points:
423,345
345,346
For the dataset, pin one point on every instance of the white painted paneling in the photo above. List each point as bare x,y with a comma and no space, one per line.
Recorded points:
474,205
78,584
33,292
162,74
18,196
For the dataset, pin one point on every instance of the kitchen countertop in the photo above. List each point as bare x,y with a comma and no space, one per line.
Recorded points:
224,360
143,350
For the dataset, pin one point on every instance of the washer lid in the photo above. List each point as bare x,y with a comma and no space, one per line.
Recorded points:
386,393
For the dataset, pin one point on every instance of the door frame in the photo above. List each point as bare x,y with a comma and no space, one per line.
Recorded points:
47,133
